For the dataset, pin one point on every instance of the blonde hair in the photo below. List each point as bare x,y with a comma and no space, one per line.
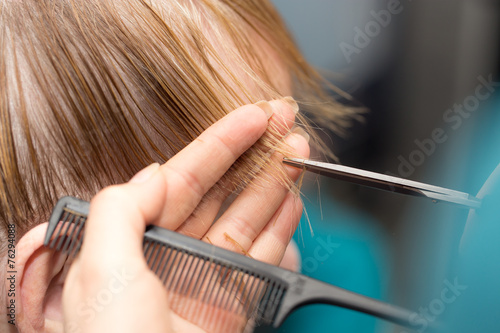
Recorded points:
91,91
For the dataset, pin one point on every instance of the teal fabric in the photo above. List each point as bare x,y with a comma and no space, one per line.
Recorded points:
477,264
344,248
454,287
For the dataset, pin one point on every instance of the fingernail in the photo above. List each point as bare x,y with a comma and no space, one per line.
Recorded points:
267,107
144,174
293,104
300,131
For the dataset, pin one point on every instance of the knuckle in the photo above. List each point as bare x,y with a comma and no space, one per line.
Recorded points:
190,181
242,228
227,144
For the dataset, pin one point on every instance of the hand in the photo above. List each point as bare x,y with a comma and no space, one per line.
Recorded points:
483,221
177,196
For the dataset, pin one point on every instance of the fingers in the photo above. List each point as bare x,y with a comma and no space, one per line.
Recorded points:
476,222
205,213
284,114
272,242
198,223
193,171
291,258
112,252
168,194
255,207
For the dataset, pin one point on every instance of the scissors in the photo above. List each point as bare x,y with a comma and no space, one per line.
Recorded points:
385,182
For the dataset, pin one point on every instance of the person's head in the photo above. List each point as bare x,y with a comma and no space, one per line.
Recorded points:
91,91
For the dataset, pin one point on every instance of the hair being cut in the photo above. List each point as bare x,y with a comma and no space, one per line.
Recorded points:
91,91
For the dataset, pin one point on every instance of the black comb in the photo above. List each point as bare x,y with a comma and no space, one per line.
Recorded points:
204,280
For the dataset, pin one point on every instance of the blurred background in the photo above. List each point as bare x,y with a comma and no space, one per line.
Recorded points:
428,71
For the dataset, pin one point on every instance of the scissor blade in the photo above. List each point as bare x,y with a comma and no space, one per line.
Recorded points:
385,182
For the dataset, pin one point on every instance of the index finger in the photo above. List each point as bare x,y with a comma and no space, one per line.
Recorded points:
194,170
173,191
203,162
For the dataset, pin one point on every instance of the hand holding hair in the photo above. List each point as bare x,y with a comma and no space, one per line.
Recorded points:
258,223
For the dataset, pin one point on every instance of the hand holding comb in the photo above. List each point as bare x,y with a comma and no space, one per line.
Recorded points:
201,275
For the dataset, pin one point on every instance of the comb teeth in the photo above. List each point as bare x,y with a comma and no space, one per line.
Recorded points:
216,289
202,281
65,231
202,287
